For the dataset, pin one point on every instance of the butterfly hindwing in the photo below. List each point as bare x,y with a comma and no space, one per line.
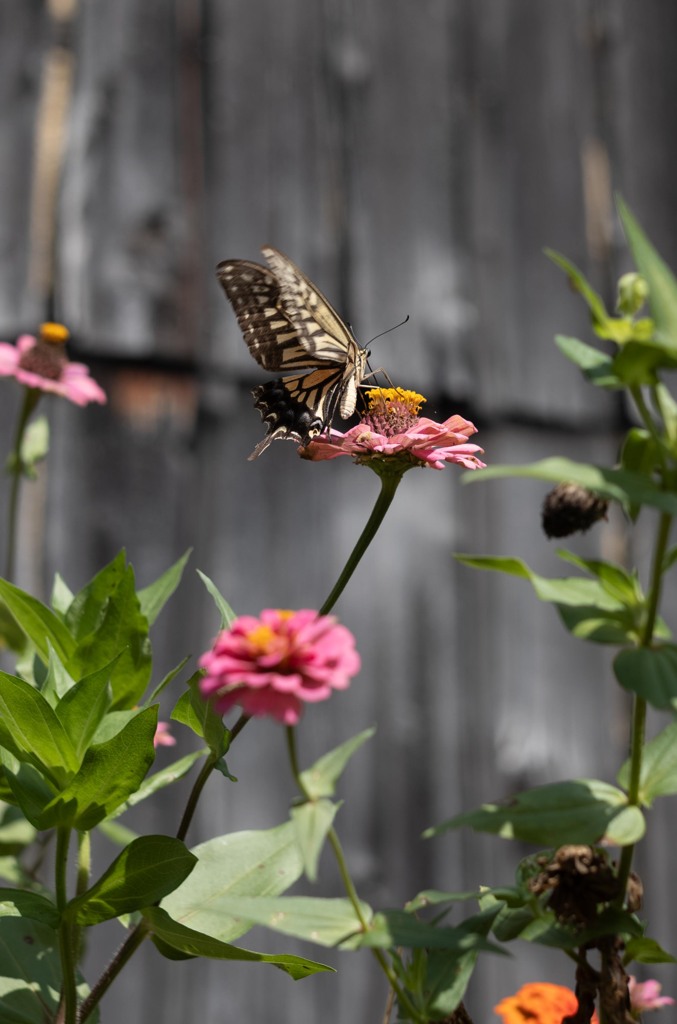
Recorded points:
289,325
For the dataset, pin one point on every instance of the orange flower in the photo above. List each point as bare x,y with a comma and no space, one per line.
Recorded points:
539,1003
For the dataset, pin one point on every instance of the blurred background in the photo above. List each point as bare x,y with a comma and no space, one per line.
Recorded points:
412,159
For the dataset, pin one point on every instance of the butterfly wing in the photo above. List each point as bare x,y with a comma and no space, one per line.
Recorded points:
289,325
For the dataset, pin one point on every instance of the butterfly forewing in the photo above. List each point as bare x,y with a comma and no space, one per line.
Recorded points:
288,324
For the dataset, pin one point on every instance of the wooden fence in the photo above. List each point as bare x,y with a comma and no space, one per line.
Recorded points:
414,159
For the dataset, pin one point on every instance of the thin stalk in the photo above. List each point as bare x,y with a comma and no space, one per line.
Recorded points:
69,1006
349,886
16,468
638,727
201,780
123,955
389,484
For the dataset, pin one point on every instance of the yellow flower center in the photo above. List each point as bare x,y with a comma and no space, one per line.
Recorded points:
261,637
381,400
55,334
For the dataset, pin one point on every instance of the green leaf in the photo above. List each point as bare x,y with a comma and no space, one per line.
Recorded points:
30,729
16,833
646,951
319,780
165,777
107,621
154,597
198,714
62,596
659,767
35,444
327,922
637,363
596,366
28,786
586,607
39,624
172,674
433,897
580,811
599,315
31,905
661,281
148,869
110,773
616,484
312,821
11,635
650,672
390,928
228,616
82,708
616,581
193,943
30,973
251,863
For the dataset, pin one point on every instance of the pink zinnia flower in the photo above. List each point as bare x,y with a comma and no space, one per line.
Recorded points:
163,736
393,436
273,664
645,995
42,363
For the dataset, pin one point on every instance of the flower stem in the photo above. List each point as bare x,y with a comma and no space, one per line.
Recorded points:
405,1003
639,704
16,469
389,484
68,1010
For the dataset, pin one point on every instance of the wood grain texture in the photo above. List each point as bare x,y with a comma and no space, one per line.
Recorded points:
413,160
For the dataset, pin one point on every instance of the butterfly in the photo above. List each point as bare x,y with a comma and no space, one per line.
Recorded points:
288,324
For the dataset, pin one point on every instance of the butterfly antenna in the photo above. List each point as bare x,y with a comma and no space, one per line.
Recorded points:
395,328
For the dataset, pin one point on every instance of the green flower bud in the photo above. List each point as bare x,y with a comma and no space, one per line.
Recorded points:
633,291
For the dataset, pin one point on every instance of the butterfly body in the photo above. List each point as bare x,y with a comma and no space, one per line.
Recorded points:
289,325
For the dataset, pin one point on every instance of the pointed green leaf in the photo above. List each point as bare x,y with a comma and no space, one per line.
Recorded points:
62,596
172,674
193,943
107,621
659,767
661,281
145,871
578,282
31,730
30,970
19,903
28,786
250,863
37,621
83,707
110,773
327,922
312,821
319,780
580,811
616,484
596,366
154,597
198,714
35,445
392,928
228,616
651,673
646,951
165,777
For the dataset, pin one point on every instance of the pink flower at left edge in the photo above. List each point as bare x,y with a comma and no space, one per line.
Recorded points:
391,431
274,664
42,363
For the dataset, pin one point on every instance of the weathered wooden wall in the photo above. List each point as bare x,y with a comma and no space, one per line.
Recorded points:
413,159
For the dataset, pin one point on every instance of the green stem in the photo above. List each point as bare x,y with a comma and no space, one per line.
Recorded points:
638,727
16,469
351,891
123,955
66,937
389,484
198,786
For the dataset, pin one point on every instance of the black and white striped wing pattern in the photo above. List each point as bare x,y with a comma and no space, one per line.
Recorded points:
289,325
